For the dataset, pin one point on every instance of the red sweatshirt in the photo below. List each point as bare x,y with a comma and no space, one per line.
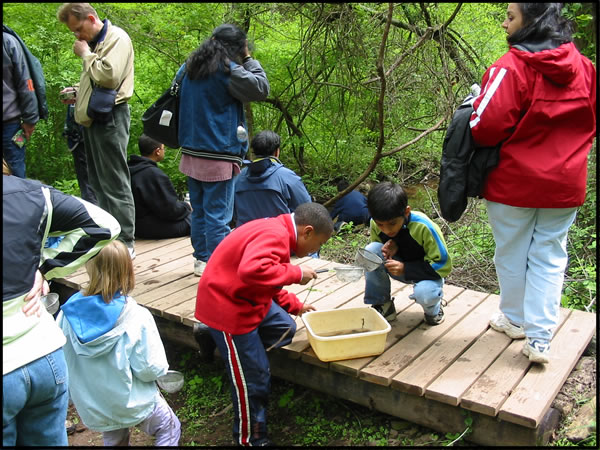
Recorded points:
542,106
245,272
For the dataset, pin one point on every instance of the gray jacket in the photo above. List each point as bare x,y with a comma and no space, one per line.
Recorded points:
18,95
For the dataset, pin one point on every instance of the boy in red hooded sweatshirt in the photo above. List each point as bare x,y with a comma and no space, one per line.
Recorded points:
241,301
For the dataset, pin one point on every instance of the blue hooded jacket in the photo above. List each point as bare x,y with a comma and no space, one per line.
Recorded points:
266,188
114,354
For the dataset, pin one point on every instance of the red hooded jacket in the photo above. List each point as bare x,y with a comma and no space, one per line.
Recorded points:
542,107
246,272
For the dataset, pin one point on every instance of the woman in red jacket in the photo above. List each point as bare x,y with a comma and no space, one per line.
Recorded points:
539,101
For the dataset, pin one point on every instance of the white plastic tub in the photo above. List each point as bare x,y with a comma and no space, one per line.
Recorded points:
347,333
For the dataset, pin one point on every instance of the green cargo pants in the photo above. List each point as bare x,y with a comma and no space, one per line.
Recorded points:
106,150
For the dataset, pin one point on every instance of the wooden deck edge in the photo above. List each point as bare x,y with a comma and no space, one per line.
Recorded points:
420,410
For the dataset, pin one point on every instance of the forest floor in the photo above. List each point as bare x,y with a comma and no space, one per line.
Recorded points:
334,422
299,416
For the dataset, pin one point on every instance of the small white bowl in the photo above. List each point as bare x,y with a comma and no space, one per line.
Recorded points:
50,301
349,273
171,382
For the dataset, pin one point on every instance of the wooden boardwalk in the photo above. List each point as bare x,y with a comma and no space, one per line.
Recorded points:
434,376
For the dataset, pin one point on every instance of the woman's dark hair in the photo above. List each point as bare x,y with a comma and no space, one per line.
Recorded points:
265,143
542,22
226,44
386,201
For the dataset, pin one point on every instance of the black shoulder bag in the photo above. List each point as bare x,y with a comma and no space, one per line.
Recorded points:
161,120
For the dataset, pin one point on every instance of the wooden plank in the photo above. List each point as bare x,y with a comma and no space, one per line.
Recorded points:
182,264
444,418
458,378
532,397
162,247
145,245
430,364
164,275
396,358
160,305
165,290
493,387
183,309
146,261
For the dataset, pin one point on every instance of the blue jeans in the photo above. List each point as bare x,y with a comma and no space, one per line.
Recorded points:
427,293
34,403
247,366
531,258
14,156
212,211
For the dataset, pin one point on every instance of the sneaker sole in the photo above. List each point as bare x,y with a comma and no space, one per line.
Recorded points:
509,333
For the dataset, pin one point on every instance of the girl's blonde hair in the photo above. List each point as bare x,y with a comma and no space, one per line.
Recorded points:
110,272
5,168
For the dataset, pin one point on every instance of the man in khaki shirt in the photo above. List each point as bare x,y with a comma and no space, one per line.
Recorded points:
107,56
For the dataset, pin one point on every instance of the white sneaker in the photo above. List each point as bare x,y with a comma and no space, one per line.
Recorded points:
537,350
131,252
199,267
500,322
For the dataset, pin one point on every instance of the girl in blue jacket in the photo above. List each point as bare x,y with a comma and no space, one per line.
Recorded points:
115,355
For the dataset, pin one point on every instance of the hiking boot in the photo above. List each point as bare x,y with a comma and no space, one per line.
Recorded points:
437,319
500,322
205,341
199,267
387,310
537,350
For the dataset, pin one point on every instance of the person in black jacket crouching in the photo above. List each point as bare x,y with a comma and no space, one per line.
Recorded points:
158,212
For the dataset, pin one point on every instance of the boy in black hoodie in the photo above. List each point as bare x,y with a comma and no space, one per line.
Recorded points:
158,212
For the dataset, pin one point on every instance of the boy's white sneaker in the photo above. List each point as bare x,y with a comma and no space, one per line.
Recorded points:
199,267
131,252
500,322
537,350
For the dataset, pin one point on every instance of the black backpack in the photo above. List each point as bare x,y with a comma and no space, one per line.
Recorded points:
464,166
36,72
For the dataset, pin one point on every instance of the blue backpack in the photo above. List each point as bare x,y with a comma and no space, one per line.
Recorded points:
36,72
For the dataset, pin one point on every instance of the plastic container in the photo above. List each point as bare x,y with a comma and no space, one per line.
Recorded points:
50,302
347,333
171,382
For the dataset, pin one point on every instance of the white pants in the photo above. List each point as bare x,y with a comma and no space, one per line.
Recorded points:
162,423
531,258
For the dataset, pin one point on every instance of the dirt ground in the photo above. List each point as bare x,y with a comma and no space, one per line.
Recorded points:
581,383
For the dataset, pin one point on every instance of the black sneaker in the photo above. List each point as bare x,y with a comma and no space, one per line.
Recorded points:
435,320
387,310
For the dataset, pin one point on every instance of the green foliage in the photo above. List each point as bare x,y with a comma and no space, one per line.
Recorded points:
585,35
320,59
70,187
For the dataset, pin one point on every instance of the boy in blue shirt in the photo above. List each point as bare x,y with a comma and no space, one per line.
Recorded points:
413,249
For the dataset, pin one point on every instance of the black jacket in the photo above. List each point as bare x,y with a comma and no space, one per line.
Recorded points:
153,192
